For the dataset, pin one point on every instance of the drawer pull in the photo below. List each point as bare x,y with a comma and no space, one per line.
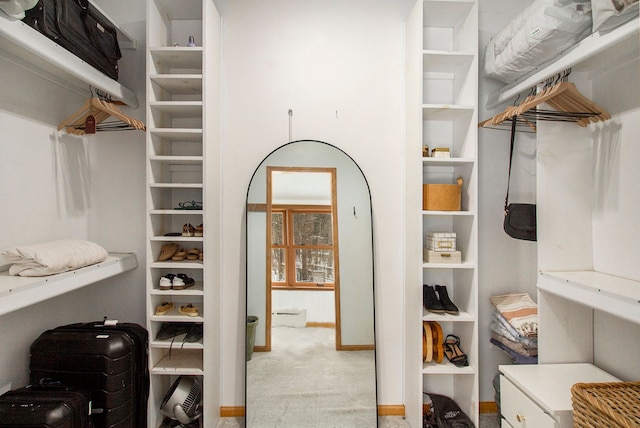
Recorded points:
520,418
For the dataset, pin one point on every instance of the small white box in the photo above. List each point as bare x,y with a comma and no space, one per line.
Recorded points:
443,257
441,241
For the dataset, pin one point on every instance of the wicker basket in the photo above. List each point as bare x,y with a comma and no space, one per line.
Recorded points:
606,405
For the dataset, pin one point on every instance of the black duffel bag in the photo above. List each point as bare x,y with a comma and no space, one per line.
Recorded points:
77,26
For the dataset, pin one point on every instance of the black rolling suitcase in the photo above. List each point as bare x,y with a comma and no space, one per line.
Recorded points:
77,26
108,360
45,406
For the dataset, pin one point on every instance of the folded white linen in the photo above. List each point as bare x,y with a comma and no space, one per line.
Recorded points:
541,32
48,258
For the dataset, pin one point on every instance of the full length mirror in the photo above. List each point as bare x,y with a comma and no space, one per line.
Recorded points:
310,295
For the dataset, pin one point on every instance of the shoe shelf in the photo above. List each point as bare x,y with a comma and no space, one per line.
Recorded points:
175,361
177,185
174,316
447,162
175,212
444,75
448,213
191,264
463,265
181,134
462,317
176,174
196,290
168,58
163,238
177,344
177,160
446,112
446,368
179,84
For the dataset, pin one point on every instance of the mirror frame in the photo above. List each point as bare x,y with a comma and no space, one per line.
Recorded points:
373,276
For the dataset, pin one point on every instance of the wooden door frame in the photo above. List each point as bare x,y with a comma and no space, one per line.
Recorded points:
336,254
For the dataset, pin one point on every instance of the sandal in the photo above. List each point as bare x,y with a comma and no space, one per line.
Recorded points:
188,230
189,310
438,350
164,307
453,352
180,255
427,343
189,205
167,251
193,254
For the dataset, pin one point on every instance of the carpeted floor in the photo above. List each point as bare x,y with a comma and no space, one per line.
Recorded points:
279,395
487,420
305,382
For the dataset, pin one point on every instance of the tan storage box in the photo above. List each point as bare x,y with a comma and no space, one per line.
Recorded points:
431,256
442,197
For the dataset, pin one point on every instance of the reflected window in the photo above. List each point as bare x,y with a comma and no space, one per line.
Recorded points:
302,253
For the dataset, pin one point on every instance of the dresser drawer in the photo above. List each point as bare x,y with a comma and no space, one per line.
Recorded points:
519,410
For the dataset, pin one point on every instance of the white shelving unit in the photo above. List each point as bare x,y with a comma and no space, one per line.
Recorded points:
442,80
589,278
183,144
589,282
35,52
17,292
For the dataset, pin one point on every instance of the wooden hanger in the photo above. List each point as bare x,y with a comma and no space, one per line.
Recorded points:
98,111
564,97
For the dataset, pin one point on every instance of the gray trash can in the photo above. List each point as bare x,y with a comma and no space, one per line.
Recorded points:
252,322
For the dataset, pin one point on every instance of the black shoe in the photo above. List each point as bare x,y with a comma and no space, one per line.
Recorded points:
446,303
194,334
170,330
430,300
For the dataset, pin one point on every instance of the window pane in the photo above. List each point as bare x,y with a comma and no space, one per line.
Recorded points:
278,265
312,229
277,228
314,266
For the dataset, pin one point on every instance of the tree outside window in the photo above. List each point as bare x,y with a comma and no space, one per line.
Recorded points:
302,254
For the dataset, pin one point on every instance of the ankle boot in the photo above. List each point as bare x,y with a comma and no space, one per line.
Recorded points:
430,300
446,303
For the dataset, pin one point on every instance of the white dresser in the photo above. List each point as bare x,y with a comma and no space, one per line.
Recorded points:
539,396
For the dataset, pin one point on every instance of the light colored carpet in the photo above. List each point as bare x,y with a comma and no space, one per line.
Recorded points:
487,420
280,398
305,383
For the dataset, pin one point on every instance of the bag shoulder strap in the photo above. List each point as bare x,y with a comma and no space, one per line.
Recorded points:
513,139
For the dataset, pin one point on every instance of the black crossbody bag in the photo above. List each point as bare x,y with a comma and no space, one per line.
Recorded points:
519,219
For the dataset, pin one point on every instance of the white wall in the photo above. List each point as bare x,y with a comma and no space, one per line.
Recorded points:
56,186
506,264
343,77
